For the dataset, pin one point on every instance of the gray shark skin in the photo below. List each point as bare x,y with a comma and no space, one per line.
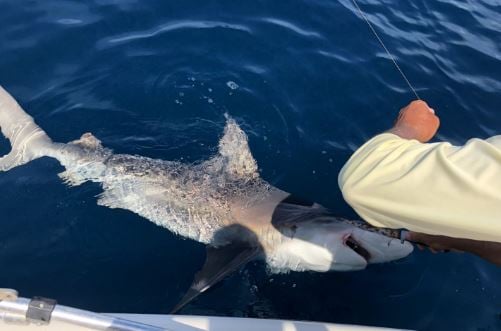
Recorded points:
221,202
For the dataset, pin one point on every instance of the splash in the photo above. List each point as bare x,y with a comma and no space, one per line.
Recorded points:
232,85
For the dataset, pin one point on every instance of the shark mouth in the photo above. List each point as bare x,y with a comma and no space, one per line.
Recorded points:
355,246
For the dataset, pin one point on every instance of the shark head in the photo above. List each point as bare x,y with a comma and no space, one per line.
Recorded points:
314,240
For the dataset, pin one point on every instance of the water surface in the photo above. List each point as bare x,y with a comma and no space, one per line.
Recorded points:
307,82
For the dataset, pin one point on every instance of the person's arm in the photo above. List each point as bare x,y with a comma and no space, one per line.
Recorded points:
490,251
418,121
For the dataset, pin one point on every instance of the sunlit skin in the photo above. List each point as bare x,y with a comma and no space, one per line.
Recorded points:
418,121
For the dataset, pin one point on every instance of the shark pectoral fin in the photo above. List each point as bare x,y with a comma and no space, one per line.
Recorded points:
220,262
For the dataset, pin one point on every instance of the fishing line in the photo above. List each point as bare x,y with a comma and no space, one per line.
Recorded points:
366,19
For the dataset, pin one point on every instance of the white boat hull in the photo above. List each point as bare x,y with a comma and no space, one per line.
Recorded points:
13,318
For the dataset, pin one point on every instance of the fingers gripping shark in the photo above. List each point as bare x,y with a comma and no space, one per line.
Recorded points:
221,202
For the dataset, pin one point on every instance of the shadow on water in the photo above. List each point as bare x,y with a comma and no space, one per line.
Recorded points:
241,245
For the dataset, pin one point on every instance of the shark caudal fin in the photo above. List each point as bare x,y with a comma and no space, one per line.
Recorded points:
28,141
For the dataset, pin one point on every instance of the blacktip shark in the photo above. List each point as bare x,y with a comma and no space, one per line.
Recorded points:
221,202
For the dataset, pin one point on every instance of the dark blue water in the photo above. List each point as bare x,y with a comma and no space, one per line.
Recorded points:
150,78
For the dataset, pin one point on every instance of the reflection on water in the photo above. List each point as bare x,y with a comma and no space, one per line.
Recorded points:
151,78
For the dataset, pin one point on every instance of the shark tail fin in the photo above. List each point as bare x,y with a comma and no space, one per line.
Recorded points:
28,141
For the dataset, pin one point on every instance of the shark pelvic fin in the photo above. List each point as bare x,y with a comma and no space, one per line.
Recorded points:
219,263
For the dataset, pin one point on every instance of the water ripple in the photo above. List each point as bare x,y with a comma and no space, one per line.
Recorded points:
292,27
171,26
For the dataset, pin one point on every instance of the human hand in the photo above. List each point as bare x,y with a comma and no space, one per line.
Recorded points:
416,121
435,243
488,250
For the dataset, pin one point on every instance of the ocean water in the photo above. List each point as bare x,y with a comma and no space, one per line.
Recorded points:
307,82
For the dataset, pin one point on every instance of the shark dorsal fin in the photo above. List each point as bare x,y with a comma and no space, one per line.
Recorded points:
234,148
219,263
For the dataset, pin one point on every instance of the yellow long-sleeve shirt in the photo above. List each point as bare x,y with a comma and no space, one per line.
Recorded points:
432,188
